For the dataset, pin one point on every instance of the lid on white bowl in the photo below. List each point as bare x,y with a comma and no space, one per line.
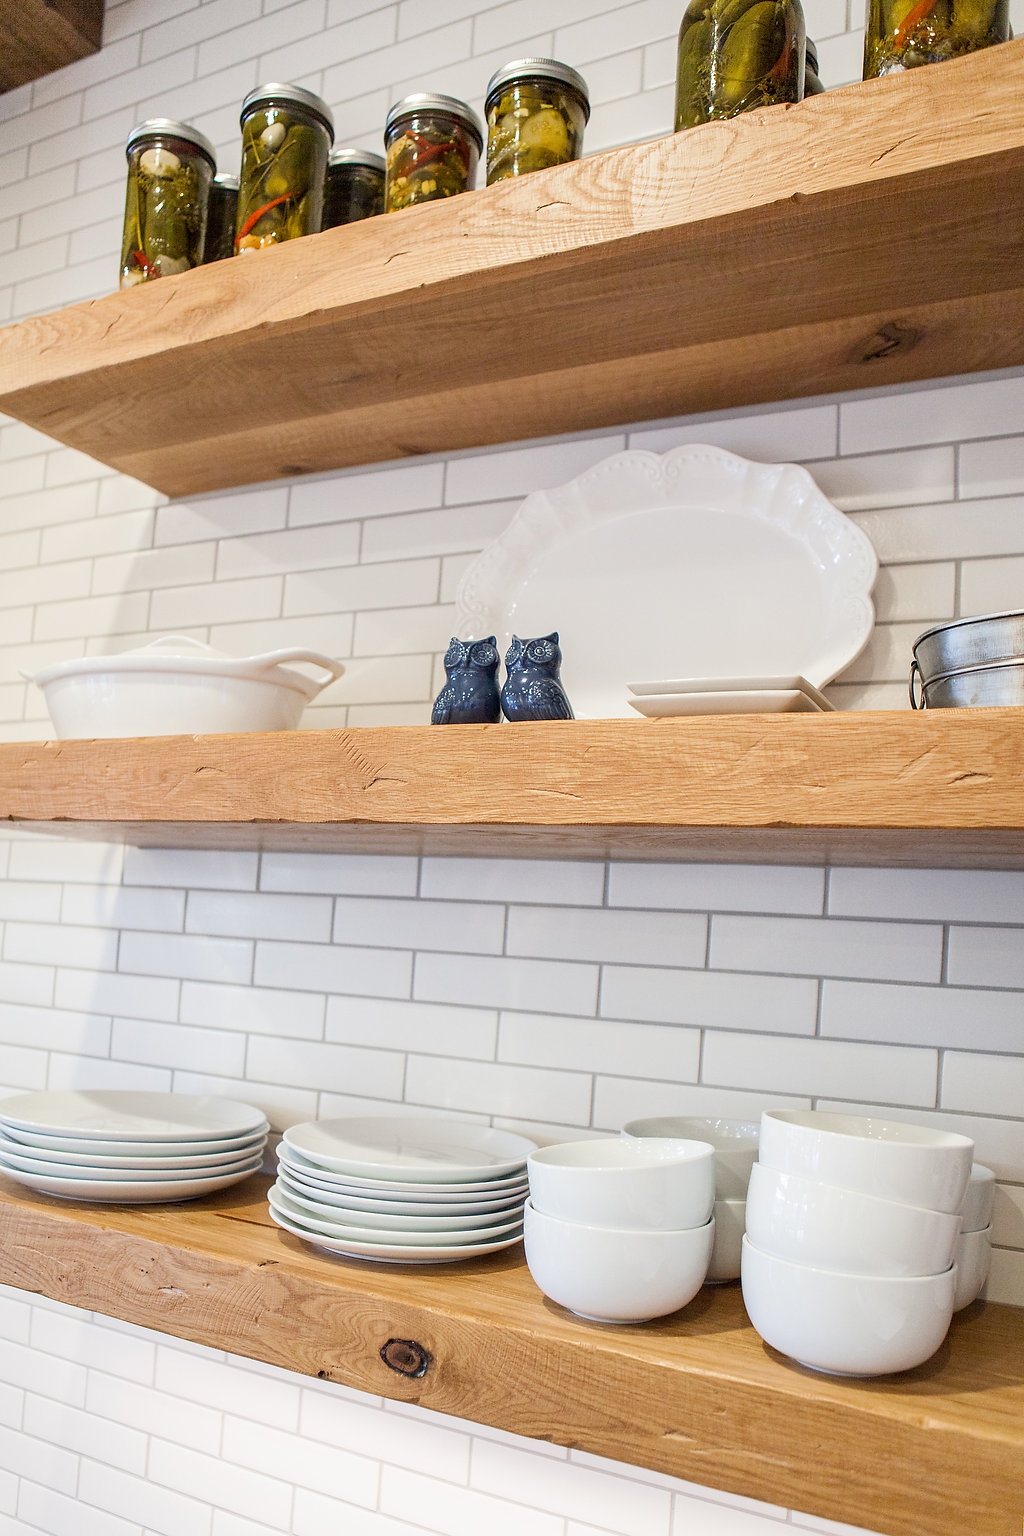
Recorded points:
184,656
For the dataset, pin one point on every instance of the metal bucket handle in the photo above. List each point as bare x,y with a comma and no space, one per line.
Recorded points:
915,673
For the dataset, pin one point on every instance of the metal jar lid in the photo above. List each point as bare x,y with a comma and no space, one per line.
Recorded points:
539,69
812,56
155,128
365,157
427,102
278,95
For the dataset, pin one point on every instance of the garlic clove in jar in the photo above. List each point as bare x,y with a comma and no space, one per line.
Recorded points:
273,136
159,162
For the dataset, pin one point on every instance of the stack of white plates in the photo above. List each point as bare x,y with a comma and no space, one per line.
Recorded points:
727,696
400,1189
129,1148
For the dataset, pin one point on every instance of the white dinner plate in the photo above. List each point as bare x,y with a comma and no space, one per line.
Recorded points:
766,701
696,561
46,1158
117,1114
730,685
484,1189
285,1206
97,1173
391,1253
428,1205
130,1191
394,1147
394,1221
121,1148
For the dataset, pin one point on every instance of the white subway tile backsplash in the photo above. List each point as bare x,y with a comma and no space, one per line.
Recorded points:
333,968
402,1026
175,1045
658,1051
618,1504
212,517
452,1511
942,1016
562,986
714,999
333,1068
984,408
827,947
259,916
521,880
993,468
939,895
498,1089
981,1084
422,1447
986,957
887,1073
152,1411
81,1431
46,1510
403,488
339,874
159,1509
717,887
946,530
191,867
459,926
195,957
652,938
391,585
991,586
414,535
808,432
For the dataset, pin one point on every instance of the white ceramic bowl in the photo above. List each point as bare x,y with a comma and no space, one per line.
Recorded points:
730,1218
177,686
841,1229
659,1185
873,1154
850,1325
973,1258
976,1210
615,1276
734,1141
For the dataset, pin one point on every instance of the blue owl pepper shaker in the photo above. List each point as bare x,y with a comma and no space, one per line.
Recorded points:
533,688
470,694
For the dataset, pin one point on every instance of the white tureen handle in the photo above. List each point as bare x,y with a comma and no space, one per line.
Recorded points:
274,659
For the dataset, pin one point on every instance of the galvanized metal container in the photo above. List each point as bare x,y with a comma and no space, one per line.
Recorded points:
970,662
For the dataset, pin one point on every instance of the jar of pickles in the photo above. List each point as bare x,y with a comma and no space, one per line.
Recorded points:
901,34
170,167
433,145
355,187
287,133
220,223
537,110
735,55
812,79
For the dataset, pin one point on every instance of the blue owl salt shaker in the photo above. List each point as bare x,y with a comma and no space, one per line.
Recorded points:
470,695
533,690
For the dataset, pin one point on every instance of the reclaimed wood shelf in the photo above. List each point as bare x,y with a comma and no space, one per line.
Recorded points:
39,36
697,1395
859,238
943,788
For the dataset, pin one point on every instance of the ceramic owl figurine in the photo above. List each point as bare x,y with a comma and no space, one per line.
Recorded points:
532,688
470,695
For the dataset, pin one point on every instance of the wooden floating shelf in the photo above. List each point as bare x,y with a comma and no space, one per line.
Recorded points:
942,788
39,36
859,238
698,1395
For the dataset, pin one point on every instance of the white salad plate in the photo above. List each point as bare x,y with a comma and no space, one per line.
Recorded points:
766,701
428,1205
395,1221
413,1237
392,1253
400,1148
731,685
37,1160
131,1191
384,1189
123,1115
698,560
38,1141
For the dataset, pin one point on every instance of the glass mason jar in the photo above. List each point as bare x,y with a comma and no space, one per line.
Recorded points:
433,145
812,80
901,34
220,224
355,187
537,110
170,167
735,55
287,133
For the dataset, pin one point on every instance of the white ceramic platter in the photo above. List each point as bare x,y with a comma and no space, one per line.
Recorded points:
411,1237
428,1205
392,1253
766,701
695,562
730,685
122,1115
130,1191
41,1141
39,1159
394,1189
415,1151
394,1221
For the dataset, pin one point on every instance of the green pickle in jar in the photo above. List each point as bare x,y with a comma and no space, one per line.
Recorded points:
433,145
170,168
220,225
537,110
736,55
355,187
902,34
287,134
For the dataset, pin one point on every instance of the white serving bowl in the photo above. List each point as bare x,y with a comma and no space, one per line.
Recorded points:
849,1325
872,1154
734,1141
973,1258
612,1275
976,1210
177,686
730,1220
841,1229
661,1185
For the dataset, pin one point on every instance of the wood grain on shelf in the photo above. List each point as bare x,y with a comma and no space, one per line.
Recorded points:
698,1395
39,36
941,787
858,238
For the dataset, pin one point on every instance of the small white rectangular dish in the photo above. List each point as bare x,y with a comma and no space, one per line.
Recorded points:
762,701
731,685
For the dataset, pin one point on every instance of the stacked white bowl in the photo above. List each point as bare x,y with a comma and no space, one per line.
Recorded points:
618,1230
735,1144
974,1245
852,1227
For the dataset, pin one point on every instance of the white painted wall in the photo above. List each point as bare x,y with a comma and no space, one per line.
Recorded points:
322,984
